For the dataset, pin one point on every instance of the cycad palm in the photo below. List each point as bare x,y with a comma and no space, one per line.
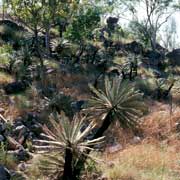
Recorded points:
66,138
119,101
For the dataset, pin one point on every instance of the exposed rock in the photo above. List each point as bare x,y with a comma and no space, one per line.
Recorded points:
154,58
112,22
2,127
21,133
22,154
36,129
136,140
16,87
134,47
20,130
77,105
1,138
22,166
118,46
4,173
174,57
115,148
178,127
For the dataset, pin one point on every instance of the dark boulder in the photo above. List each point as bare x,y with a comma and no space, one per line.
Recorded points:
112,22
2,127
118,46
134,47
20,154
12,25
155,57
77,105
174,57
1,138
4,173
16,87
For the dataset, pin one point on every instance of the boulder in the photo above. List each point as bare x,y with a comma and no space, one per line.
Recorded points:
4,173
21,154
20,130
115,148
174,57
16,87
154,57
2,127
136,140
177,125
21,133
134,47
22,166
1,138
112,22
77,105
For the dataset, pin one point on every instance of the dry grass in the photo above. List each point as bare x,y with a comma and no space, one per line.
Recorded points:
5,78
156,157
142,162
75,85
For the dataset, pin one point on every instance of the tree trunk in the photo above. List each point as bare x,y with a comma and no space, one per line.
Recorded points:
78,56
81,162
3,9
47,40
68,171
153,41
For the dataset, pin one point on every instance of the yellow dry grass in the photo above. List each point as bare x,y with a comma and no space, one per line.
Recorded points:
156,157
5,78
142,162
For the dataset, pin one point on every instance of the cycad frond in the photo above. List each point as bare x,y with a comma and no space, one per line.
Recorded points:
64,134
52,164
120,99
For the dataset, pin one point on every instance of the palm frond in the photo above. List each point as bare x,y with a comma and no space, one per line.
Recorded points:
120,99
64,134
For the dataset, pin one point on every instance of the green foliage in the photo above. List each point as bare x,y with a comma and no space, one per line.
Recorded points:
147,86
6,52
119,100
61,102
83,24
5,158
11,35
6,48
140,32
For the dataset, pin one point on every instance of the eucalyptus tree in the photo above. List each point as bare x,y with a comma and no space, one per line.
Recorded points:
54,12
148,16
41,15
80,30
30,14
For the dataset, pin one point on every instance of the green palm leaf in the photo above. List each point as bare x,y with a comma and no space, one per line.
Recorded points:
120,99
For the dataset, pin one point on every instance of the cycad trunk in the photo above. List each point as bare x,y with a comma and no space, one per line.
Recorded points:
68,171
81,162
